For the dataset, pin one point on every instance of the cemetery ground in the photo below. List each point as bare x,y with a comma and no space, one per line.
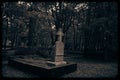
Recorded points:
86,68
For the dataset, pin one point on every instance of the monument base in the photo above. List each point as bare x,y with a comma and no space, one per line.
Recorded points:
41,67
56,63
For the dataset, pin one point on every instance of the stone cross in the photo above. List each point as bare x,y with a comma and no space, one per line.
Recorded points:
60,34
58,56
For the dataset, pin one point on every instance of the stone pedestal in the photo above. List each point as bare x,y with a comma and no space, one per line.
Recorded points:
42,69
58,56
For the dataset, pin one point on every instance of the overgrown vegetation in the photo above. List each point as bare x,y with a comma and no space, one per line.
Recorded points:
89,27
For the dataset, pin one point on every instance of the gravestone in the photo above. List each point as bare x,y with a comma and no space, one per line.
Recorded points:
58,56
44,68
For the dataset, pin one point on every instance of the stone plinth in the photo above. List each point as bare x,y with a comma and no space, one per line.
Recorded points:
58,56
42,68
56,63
59,48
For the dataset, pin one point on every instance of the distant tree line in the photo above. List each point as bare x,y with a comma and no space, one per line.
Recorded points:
89,27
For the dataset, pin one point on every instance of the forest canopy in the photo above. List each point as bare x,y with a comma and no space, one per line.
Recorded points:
86,25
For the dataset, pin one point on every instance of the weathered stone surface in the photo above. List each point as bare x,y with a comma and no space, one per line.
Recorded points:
43,69
56,63
59,58
59,48
60,34
58,55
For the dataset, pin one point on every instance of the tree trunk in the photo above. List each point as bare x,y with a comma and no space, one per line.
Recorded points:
30,34
5,40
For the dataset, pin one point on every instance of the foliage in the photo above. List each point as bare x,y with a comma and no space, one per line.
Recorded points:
87,26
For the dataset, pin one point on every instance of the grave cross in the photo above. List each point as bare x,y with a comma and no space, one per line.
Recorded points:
60,34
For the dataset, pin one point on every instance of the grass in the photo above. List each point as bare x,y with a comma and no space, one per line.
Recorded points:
86,68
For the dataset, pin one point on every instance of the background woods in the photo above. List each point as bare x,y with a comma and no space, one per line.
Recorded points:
89,27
